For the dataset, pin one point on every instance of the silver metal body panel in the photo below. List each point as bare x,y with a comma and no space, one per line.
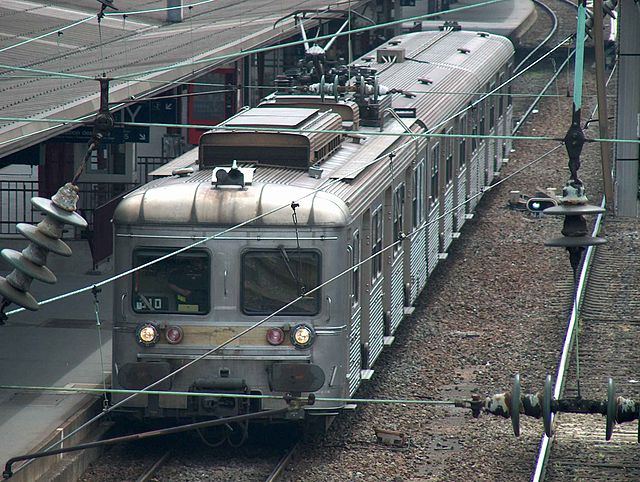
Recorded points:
433,237
418,262
397,291
355,351
459,200
376,322
447,218
354,182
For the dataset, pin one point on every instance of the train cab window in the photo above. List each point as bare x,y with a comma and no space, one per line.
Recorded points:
462,142
448,166
275,277
398,216
417,200
355,262
179,284
376,246
435,161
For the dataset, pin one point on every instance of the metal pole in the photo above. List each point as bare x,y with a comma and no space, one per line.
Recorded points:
605,147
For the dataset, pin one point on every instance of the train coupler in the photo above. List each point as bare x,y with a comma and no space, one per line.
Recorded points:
512,404
296,402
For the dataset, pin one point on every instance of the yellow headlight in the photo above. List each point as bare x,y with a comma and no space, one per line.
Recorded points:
148,334
302,336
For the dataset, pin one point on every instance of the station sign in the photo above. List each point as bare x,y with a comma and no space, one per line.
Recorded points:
118,135
163,111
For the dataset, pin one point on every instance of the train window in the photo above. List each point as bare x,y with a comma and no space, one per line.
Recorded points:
179,284
462,142
435,160
417,201
448,166
275,277
398,215
355,262
376,246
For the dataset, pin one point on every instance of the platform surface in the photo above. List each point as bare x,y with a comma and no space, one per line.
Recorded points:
54,346
510,18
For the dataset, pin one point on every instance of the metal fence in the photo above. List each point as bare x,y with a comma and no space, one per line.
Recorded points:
15,204
147,164
15,197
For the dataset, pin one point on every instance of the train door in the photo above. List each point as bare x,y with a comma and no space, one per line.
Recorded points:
376,292
476,168
501,127
355,353
482,144
488,143
446,206
433,206
462,173
395,282
418,238
494,144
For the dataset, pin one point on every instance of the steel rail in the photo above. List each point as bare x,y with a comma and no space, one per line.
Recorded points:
8,472
283,463
554,29
572,329
150,472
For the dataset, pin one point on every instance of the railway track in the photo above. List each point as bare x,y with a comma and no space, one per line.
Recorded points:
189,456
608,336
479,322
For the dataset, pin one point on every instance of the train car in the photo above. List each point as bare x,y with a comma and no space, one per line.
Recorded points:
289,195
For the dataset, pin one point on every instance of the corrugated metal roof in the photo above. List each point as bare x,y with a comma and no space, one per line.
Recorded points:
137,44
355,172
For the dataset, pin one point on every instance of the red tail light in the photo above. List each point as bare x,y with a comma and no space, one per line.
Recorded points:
174,334
275,336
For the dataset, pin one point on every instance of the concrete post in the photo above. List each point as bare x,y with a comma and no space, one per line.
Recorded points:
628,115
175,14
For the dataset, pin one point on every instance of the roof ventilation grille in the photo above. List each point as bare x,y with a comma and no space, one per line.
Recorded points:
389,55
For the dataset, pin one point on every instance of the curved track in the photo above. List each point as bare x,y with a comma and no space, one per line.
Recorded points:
479,321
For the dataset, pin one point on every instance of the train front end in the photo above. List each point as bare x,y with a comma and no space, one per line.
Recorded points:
237,322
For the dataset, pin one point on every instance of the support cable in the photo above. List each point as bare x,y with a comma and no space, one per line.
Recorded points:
96,303
233,338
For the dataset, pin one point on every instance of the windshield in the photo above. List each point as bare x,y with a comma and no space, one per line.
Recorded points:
273,278
179,284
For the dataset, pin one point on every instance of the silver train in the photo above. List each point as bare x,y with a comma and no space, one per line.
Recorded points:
349,183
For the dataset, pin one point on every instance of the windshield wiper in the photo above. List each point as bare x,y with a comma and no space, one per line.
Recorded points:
287,262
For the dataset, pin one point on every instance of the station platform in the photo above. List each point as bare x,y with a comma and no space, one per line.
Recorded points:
510,18
57,346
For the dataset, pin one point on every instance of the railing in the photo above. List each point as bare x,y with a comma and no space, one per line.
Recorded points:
97,202
15,204
146,164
